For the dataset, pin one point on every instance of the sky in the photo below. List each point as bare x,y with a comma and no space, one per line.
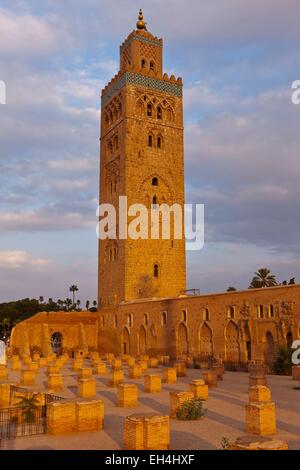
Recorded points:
238,61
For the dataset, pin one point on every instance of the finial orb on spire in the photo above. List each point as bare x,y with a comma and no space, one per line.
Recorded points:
141,24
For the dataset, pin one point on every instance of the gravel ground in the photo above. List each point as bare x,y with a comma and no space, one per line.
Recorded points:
224,413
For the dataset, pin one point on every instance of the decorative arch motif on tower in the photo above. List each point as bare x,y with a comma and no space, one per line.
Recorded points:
164,188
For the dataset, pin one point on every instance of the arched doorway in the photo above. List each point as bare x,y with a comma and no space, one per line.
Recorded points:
182,344
142,341
289,340
248,341
125,342
56,342
232,343
248,348
269,349
206,342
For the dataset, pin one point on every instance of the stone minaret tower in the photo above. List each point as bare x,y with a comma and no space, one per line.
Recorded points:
142,157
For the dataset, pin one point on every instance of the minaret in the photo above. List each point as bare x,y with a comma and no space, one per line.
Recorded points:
142,157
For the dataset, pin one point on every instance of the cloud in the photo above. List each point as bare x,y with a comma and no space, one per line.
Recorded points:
50,279
20,259
244,167
237,59
46,219
71,185
27,35
228,21
72,165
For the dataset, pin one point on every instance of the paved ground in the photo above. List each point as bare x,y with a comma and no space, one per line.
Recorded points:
224,415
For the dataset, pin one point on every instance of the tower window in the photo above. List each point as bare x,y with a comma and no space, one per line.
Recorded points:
159,142
156,270
143,63
152,65
146,319
116,321
164,318
154,200
159,113
183,315
205,314
230,312
150,141
116,142
271,311
260,311
149,110
154,181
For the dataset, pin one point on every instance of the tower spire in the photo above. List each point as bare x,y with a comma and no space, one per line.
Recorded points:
141,24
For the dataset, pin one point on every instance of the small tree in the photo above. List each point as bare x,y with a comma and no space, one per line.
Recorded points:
68,303
87,304
282,364
231,289
190,410
29,404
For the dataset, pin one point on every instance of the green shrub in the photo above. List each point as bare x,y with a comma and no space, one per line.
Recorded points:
29,405
282,364
190,410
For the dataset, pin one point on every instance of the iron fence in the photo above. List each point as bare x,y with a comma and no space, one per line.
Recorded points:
24,419
17,421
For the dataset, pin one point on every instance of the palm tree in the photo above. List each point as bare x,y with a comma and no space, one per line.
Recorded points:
78,302
87,304
68,303
263,278
29,404
73,289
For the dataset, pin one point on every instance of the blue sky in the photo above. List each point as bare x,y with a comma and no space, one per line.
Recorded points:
238,60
